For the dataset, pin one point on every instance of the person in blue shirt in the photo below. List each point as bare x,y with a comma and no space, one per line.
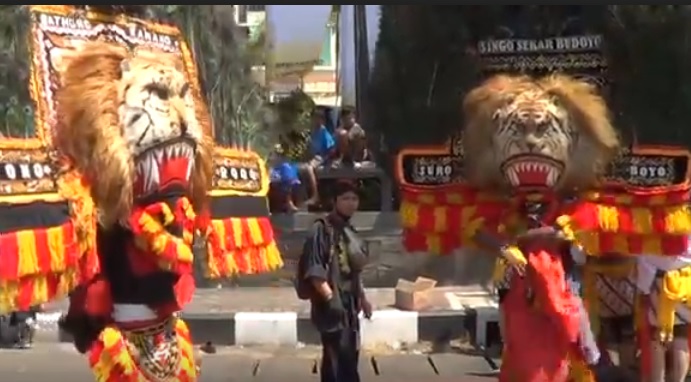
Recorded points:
284,175
322,148
322,143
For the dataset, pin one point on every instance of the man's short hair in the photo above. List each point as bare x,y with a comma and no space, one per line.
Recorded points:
347,111
318,113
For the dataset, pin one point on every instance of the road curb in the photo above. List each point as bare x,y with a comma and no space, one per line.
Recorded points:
387,327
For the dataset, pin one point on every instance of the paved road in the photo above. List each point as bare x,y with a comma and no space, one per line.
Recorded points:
59,362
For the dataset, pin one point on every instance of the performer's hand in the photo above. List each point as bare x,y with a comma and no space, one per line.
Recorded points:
366,307
545,231
515,258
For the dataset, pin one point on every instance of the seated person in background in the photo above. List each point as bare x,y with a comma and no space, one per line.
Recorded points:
351,139
322,147
284,175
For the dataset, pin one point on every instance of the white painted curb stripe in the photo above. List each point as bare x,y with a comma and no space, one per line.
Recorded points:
386,327
266,328
389,327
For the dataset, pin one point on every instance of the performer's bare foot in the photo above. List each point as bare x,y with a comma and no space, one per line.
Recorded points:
292,208
312,201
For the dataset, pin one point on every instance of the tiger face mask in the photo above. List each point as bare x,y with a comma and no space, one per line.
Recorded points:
159,123
523,133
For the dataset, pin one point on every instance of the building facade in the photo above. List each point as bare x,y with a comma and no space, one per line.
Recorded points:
320,83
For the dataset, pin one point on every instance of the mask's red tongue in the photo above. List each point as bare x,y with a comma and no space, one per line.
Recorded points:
532,176
173,172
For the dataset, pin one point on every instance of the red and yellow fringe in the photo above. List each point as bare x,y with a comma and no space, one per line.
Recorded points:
242,245
111,360
39,265
619,221
150,235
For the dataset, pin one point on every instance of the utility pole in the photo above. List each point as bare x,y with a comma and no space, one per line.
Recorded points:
362,74
361,58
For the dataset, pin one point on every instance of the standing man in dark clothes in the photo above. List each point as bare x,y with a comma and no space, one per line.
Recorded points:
333,267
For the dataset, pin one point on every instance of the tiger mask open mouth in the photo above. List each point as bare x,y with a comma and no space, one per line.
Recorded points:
164,167
532,171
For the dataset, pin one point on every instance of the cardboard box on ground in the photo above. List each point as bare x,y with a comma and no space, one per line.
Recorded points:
414,295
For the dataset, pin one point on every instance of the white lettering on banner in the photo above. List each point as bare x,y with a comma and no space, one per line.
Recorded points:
76,23
24,171
547,45
648,171
143,35
235,173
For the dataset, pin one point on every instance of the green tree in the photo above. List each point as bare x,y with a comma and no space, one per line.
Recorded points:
420,69
649,55
16,107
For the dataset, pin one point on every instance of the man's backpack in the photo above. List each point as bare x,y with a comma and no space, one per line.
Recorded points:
303,287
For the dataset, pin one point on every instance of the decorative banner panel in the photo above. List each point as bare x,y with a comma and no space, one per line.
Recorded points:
642,166
238,172
431,166
28,166
650,167
432,170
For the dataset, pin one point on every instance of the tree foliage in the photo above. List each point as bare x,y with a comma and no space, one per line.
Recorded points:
294,118
424,65
16,111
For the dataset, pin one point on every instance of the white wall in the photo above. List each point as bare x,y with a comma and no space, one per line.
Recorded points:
295,36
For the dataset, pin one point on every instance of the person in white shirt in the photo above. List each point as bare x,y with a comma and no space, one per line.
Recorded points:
665,282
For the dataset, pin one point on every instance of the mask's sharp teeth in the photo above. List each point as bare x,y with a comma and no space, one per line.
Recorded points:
190,166
146,171
189,152
158,153
154,176
551,177
513,176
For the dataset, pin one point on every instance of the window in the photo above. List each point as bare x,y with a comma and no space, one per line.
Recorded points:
256,8
241,14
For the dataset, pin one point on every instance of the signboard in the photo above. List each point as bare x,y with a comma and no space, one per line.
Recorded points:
238,172
580,55
28,164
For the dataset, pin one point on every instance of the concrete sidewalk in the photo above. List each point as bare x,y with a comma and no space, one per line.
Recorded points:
61,362
264,315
